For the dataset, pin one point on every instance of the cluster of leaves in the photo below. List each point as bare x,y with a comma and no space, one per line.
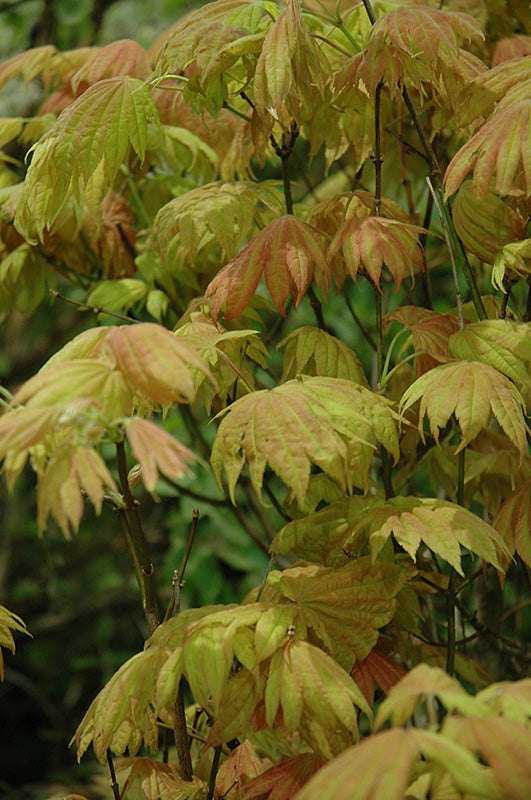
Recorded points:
143,195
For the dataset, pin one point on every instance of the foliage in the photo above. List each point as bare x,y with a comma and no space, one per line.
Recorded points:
285,152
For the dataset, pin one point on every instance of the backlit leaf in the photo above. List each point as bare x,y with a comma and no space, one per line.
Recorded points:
314,352
158,781
28,64
514,258
24,427
326,421
473,392
377,669
90,138
239,698
238,770
287,252
343,608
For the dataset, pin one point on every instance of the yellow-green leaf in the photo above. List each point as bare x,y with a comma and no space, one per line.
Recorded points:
326,421
8,622
473,392
156,451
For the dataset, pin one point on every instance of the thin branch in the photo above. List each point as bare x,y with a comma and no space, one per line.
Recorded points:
114,783
94,309
213,772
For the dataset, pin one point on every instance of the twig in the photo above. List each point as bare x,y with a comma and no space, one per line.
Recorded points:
94,309
114,783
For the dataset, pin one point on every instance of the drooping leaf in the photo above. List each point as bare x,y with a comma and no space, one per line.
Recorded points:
359,774
377,669
71,472
224,215
369,243
473,392
513,522
423,683
326,421
153,361
123,57
156,451
342,608
430,332
8,622
484,224
314,352
344,529
22,428
498,152
89,141
289,255
315,696
514,259
282,781
238,701
28,64
157,781
501,343
121,716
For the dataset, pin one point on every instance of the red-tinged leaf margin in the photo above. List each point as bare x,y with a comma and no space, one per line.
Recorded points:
289,255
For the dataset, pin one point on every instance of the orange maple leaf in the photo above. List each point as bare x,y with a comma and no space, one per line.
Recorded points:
287,252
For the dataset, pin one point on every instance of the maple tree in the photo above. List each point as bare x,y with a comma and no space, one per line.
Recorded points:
296,178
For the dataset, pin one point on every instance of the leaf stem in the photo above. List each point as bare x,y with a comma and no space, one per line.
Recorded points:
114,783
138,544
214,772
178,575
451,592
94,309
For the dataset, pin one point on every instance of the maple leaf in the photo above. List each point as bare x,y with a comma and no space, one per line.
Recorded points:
314,352
404,45
513,258
473,392
121,715
282,781
369,242
157,780
156,451
343,608
376,669
221,214
225,353
513,522
509,699
422,683
287,252
344,528
22,428
509,48
63,383
430,332
315,696
484,224
85,148
237,704
8,622
238,770
501,343
123,57
71,472
328,421
500,148
153,361
28,64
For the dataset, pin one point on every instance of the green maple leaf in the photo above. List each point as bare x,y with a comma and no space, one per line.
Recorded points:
326,421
